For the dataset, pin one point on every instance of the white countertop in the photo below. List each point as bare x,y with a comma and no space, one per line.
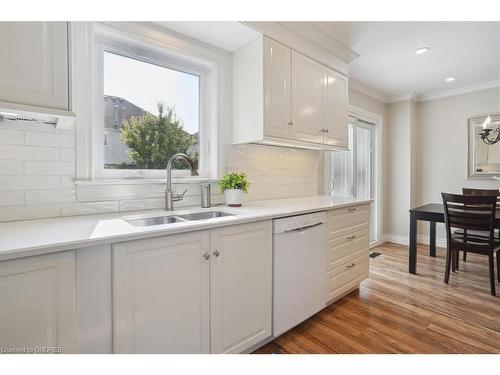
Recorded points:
32,237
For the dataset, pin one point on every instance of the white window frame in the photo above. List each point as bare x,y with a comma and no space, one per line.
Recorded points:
377,187
124,45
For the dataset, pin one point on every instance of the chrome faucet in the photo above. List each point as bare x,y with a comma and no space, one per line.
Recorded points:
170,196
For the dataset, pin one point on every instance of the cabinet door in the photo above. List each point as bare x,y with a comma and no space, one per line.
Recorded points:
307,93
277,99
34,63
335,102
38,302
241,284
160,295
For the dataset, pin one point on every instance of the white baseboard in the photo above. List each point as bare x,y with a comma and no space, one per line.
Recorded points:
421,238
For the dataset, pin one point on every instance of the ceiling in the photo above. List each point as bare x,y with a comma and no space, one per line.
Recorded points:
387,61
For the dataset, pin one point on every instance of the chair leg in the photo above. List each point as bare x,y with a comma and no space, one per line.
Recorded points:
448,265
465,256
498,265
492,274
457,260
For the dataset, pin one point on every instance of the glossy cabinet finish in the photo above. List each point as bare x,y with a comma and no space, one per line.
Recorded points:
335,104
38,302
240,286
34,64
277,90
307,95
161,295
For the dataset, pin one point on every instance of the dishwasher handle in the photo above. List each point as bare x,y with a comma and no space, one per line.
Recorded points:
302,228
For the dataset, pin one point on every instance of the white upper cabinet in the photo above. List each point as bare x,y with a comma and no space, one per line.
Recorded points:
240,286
281,96
277,121
335,103
161,295
38,302
34,64
307,94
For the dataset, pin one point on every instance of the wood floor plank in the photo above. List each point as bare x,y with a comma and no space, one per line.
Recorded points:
397,312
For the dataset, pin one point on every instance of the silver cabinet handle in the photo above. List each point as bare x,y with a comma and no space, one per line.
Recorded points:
351,238
351,209
206,256
290,123
351,265
216,253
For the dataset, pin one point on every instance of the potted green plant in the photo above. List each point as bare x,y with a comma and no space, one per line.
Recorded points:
234,185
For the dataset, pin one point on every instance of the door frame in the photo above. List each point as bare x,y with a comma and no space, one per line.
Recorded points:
378,205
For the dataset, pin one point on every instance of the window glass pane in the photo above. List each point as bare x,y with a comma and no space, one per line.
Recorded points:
342,171
150,113
363,161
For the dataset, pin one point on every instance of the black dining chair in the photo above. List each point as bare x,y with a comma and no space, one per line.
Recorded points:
470,213
470,191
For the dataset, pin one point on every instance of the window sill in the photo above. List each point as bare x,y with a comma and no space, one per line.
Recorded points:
145,181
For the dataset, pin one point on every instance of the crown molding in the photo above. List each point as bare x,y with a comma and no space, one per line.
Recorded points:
460,90
367,90
400,98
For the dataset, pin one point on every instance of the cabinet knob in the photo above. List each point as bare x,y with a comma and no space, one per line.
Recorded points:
290,123
351,237
351,265
216,253
351,209
206,256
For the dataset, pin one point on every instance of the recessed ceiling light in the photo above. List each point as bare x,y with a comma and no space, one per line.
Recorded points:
450,79
421,50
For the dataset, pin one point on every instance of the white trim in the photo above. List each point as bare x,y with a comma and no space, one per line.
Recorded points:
460,90
368,91
400,98
421,239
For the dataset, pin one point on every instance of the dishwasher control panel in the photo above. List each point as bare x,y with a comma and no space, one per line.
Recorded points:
291,223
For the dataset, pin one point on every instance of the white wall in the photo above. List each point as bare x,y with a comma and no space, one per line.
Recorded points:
442,145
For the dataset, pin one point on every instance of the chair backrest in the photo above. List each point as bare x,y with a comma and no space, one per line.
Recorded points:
469,191
470,212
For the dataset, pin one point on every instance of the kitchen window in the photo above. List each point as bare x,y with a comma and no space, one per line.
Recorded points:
152,103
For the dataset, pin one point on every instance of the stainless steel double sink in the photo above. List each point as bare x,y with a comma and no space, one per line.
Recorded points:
171,219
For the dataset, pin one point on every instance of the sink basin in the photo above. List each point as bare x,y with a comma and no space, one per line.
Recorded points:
148,221
171,219
204,215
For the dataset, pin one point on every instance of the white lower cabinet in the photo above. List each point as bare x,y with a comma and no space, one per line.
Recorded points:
38,303
199,292
240,286
161,295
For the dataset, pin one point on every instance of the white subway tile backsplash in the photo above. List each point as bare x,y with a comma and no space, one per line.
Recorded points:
18,152
68,182
68,154
142,204
50,196
54,168
78,208
11,198
29,182
11,137
11,167
29,212
49,139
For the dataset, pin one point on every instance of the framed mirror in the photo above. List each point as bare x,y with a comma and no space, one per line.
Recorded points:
484,153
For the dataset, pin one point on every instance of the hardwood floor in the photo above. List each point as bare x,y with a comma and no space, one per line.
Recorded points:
396,312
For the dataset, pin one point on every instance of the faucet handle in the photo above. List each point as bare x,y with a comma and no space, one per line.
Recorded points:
181,195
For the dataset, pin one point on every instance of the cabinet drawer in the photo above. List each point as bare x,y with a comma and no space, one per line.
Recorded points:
347,220
342,249
347,276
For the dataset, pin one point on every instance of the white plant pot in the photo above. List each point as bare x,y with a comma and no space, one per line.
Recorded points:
234,197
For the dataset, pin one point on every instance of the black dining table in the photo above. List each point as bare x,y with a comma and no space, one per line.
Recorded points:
433,213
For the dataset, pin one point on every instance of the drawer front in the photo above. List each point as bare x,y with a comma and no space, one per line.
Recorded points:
347,220
344,248
347,276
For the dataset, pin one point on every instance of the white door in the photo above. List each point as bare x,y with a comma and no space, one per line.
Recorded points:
335,103
161,295
307,93
241,284
38,302
277,99
34,63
